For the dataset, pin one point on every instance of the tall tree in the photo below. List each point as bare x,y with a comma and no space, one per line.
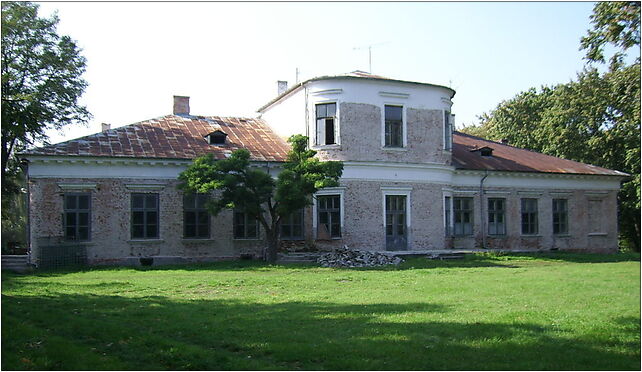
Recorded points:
255,192
616,24
41,82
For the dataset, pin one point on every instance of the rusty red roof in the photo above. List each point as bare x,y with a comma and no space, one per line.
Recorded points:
513,159
176,137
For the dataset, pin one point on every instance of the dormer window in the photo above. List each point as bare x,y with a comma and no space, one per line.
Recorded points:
216,138
484,151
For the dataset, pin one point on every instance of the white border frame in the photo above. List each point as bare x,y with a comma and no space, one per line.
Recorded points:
404,126
337,124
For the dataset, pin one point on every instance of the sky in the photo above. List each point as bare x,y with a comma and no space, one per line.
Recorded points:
228,57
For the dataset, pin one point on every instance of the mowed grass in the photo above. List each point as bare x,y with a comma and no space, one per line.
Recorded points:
534,312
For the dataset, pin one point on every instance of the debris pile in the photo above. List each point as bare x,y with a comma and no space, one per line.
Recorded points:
345,257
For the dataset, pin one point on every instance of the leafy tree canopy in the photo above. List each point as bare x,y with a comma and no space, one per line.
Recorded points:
616,24
41,81
255,192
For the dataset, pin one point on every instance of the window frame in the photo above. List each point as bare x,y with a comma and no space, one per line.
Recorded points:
145,210
448,215
247,222
329,211
495,212
402,129
532,216
562,216
77,211
448,131
288,221
458,212
197,212
335,124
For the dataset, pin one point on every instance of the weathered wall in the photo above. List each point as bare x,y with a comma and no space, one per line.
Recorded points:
580,236
110,224
361,126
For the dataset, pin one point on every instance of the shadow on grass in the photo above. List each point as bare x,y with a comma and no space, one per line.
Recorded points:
114,332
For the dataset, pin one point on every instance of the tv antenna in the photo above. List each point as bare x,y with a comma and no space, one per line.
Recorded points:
369,53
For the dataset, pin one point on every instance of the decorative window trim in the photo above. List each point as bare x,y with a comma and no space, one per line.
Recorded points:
77,186
315,215
145,186
327,91
528,194
394,95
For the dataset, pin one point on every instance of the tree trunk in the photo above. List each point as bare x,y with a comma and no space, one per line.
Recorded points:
272,248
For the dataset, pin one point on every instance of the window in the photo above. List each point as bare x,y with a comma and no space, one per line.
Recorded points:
560,216
496,217
529,217
217,138
595,215
144,216
329,210
463,208
393,126
245,227
448,132
292,226
326,123
196,219
77,216
447,215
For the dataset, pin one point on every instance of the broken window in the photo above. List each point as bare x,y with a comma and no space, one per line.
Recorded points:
77,216
292,226
393,126
217,138
196,218
245,226
144,216
463,209
326,123
529,217
496,216
329,210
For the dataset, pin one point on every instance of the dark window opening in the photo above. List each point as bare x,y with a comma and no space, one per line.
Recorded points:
77,216
217,138
447,218
292,226
196,218
463,210
245,226
529,217
326,123
393,126
560,216
496,216
329,214
145,216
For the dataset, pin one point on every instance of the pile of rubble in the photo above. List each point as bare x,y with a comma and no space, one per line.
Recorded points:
345,257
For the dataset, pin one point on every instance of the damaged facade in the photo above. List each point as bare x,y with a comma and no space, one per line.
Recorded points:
409,183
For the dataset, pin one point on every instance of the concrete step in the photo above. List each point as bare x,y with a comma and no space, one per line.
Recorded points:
19,263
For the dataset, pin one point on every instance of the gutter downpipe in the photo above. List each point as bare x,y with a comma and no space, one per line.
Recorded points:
481,208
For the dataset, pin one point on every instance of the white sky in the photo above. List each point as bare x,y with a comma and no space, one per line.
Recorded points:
228,56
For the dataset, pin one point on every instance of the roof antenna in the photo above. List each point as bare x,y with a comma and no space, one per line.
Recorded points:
370,53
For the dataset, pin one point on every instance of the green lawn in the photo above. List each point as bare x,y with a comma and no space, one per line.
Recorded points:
556,311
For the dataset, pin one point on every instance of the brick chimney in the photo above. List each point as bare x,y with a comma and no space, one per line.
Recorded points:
181,105
282,86
104,127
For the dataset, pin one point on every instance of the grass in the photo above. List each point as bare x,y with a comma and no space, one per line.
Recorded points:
498,312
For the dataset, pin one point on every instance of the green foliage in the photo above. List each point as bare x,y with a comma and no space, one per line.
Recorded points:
616,24
255,192
538,312
41,81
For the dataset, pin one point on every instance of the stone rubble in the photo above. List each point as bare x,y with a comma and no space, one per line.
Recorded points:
345,257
